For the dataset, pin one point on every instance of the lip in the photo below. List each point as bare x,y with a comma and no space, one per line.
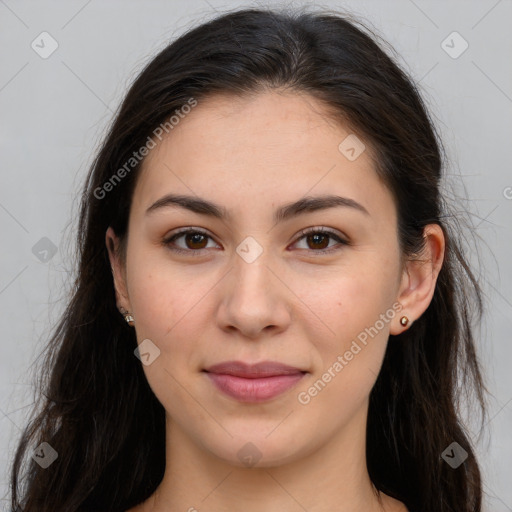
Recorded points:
254,382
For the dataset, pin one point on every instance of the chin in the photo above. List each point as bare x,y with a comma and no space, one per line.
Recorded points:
260,450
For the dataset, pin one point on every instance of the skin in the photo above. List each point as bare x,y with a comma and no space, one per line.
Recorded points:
293,305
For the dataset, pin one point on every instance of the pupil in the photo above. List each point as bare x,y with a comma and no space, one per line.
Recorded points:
316,238
196,238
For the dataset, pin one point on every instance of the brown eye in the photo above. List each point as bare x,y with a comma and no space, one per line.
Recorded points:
194,241
318,240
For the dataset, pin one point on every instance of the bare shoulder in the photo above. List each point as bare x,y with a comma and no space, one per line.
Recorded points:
146,506
393,505
138,508
390,505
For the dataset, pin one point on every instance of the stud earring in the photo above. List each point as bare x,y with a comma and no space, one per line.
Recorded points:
404,321
127,316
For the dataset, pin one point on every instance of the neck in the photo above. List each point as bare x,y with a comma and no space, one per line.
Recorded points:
331,477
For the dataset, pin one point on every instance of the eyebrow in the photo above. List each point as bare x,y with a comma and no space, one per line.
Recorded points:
285,212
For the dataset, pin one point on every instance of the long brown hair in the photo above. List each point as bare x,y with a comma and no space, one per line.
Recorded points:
97,410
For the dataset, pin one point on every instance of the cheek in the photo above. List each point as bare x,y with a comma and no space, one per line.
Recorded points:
358,311
164,296
348,362
352,303
165,302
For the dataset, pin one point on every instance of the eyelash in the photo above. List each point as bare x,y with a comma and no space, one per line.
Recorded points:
308,231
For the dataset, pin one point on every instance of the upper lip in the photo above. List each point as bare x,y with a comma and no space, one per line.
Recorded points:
253,371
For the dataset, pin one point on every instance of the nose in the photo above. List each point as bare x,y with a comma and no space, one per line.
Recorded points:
255,302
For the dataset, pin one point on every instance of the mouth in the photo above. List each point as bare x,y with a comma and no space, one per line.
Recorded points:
253,382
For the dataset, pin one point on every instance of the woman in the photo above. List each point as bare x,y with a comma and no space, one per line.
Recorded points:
270,312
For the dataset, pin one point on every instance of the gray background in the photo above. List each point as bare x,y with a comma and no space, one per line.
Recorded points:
54,112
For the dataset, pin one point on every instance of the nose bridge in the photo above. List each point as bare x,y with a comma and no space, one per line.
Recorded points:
254,298
251,274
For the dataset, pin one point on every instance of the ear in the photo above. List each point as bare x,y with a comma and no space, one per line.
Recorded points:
118,270
419,278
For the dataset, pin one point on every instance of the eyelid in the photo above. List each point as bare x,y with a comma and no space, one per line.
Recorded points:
341,239
183,231
322,229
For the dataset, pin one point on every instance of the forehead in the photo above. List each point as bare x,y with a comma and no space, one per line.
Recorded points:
272,144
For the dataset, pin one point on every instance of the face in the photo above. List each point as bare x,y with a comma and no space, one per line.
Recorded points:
250,286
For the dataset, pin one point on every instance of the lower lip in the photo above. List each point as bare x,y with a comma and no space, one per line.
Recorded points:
254,390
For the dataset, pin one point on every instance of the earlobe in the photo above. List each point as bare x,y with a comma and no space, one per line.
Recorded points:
419,279
118,271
